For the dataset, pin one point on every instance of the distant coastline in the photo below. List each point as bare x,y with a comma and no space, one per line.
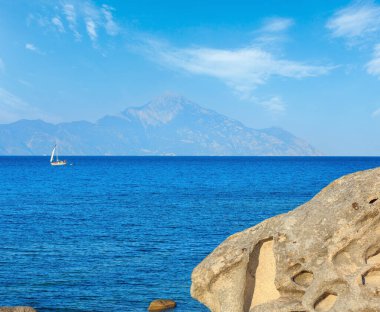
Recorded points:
168,126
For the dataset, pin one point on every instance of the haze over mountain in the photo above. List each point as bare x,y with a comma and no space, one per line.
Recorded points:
168,125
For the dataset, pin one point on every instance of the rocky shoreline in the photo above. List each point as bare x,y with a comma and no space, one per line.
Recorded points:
157,305
17,309
322,256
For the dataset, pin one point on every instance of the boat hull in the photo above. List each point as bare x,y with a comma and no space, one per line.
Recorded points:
58,163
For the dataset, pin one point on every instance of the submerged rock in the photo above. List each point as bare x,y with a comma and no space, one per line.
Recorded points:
17,309
161,305
322,256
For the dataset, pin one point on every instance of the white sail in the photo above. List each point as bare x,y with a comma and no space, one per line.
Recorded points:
57,162
52,154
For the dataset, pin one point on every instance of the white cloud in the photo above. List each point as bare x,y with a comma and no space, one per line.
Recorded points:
273,31
13,108
99,18
277,24
24,82
40,20
275,104
373,66
91,29
70,13
241,69
71,17
95,19
2,65
78,18
376,113
111,27
356,21
31,47
92,20
58,23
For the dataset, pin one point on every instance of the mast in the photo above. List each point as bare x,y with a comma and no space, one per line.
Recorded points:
52,153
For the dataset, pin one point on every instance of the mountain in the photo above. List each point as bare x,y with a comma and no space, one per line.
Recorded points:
168,125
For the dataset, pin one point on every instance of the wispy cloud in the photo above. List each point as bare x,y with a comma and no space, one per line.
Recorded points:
273,31
38,19
356,22
33,48
373,66
94,18
2,66
274,104
98,18
58,23
71,17
13,108
25,83
91,29
359,24
243,69
70,13
277,24
376,113
110,25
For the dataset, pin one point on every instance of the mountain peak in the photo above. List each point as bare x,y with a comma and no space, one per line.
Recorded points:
162,109
170,102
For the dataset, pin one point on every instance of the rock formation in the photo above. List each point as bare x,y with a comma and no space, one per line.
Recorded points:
322,256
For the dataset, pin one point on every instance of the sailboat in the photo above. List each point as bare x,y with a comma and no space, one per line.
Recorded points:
57,162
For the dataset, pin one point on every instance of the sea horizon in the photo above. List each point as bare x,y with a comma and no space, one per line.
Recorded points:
207,156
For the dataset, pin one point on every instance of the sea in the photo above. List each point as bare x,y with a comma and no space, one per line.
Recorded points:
114,233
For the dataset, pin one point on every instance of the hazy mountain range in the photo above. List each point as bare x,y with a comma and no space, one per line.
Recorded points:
168,125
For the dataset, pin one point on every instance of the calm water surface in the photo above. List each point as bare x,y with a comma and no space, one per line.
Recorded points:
114,233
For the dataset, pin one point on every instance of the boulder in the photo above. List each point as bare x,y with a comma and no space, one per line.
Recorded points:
161,305
322,256
17,309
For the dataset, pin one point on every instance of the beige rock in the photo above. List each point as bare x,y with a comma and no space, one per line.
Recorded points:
322,256
161,305
17,309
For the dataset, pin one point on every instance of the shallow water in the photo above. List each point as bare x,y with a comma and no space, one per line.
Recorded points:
114,233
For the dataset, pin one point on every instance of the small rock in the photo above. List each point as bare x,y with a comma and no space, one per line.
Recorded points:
17,309
161,305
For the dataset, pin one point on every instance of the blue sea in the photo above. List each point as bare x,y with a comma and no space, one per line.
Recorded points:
114,233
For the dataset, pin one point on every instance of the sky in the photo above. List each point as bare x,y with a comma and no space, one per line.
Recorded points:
311,67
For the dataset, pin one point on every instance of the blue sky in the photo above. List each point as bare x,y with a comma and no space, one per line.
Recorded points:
311,67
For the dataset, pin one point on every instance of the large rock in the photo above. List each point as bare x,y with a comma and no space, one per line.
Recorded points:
322,256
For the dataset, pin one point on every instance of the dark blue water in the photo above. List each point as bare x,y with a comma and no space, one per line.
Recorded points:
114,233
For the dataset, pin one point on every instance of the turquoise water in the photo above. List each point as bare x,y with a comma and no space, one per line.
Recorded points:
114,233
